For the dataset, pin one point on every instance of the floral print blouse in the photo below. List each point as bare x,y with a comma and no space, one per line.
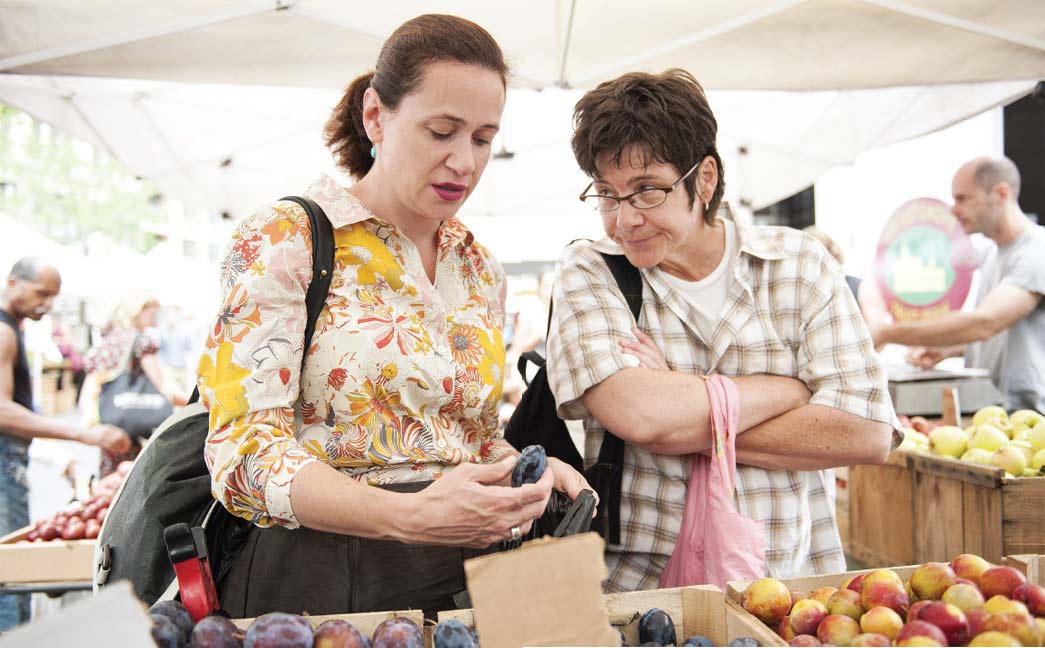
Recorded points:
402,379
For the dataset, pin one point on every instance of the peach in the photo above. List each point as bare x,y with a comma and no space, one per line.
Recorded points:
932,579
921,633
970,566
1017,625
998,604
883,621
916,609
1001,580
837,629
823,594
965,597
886,593
768,599
976,620
949,619
806,616
870,639
784,629
993,638
847,602
1033,596
805,640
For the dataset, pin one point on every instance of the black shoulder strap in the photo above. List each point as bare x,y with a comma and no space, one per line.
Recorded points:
322,268
611,452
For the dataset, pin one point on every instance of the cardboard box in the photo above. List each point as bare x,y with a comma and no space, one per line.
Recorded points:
767,636
698,610
44,562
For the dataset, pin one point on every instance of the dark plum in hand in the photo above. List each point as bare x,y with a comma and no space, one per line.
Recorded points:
176,612
216,632
398,632
453,634
744,641
165,633
530,466
279,630
656,626
698,640
338,633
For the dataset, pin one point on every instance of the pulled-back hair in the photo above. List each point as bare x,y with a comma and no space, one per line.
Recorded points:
416,44
665,118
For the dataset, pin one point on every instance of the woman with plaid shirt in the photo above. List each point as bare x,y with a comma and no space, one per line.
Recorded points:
766,306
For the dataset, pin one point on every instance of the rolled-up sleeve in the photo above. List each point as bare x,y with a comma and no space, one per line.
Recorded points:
589,318
249,374
836,357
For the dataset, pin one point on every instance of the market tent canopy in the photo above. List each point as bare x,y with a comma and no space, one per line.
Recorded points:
727,44
232,148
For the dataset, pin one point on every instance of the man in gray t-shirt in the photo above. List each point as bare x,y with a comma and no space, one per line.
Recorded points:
1005,333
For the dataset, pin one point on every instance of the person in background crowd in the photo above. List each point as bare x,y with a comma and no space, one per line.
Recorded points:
130,341
371,463
1005,333
766,306
29,293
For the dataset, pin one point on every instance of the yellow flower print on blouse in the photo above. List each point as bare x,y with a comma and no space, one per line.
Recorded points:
225,394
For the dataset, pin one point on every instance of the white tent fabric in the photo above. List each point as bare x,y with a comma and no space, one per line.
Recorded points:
728,44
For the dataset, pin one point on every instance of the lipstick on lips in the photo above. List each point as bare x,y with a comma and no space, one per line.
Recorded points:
449,191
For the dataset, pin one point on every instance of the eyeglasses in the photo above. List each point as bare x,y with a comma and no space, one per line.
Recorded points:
645,199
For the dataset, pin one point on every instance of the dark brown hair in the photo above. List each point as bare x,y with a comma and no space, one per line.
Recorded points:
666,117
412,47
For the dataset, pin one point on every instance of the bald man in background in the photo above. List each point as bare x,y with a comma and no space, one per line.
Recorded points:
30,291
1005,333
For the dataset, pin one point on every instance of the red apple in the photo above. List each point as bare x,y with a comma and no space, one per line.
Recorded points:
970,566
838,630
1014,624
768,599
805,640
870,639
932,579
948,618
966,597
1033,596
1001,580
885,593
783,628
976,620
883,621
854,582
806,616
916,609
847,602
916,630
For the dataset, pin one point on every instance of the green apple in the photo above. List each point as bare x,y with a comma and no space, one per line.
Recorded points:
1030,472
1038,460
1026,417
988,437
948,440
987,413
1020,433
1037,437
978,456
1010,459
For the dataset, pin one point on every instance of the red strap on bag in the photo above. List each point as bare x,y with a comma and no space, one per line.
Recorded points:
716,544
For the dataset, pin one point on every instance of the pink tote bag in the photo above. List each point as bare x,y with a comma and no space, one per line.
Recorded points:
716,544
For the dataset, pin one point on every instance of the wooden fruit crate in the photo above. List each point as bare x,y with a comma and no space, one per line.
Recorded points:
763,633
365,622
1032,565
919,508
55,561
695,610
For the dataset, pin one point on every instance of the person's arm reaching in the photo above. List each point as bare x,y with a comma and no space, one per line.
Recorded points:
1003,306
25,424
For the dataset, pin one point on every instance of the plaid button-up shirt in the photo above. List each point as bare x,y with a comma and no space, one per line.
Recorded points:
788,313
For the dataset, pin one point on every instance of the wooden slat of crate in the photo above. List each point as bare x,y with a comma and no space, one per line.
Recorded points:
44,562
938,509
982,522
1032,566
695,610
881,513
1023,515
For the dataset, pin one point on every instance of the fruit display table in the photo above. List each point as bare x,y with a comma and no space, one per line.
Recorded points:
918,508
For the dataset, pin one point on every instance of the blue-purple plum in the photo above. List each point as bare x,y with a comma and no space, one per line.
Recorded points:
279,630
530,466
216,632
657,626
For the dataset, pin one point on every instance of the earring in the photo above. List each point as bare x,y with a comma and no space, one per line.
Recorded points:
707,206
373,152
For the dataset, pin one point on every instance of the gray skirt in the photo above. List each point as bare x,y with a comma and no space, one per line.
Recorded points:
303,571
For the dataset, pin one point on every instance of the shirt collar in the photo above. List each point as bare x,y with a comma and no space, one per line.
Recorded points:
344,209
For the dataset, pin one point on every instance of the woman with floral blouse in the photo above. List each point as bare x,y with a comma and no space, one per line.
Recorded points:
371,463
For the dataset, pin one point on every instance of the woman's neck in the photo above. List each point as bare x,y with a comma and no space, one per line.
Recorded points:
423,232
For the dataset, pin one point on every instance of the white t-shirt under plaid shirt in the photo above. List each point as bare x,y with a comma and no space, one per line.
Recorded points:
788,313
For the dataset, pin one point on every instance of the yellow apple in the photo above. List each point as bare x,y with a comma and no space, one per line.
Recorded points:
1038,460
948,440
1026,418
1037,437
988,437
1011,459
978,456
987,413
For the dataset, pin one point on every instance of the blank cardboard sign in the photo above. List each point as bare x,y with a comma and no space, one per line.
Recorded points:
547,593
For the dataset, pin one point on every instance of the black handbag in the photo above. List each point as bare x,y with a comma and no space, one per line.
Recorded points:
132,403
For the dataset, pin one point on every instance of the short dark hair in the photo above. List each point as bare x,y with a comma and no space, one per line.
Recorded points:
665,116
991,171
27,269
416,44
